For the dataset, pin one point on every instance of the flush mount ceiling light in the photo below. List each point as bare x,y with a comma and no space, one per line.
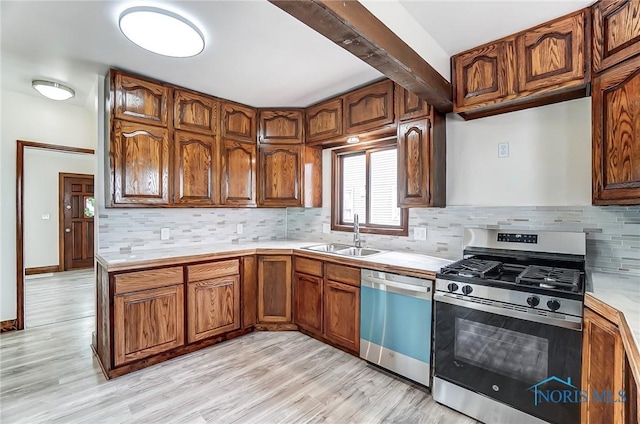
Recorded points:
53,90
353,140
161,32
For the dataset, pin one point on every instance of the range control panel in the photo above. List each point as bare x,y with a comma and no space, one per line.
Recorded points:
518,238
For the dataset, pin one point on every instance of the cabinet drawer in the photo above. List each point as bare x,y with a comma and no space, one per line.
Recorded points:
308,266
143,280
343,274
213,270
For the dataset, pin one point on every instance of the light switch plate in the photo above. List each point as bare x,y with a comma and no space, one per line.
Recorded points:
239,229
503,150
326,228
419,233
164,234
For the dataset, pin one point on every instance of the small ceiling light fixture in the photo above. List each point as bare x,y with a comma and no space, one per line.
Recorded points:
53,90
162,32
353,140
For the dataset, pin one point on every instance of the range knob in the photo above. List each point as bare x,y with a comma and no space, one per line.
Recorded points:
553,304
467,289
452,287
533,301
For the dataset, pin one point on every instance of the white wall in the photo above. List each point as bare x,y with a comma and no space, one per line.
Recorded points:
31,118
41,197
549,161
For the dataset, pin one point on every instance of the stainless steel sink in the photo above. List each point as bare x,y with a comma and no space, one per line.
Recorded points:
343,249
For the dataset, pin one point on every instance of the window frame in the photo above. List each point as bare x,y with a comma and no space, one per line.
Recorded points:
337,223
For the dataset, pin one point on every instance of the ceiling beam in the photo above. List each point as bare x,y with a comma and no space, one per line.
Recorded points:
351,26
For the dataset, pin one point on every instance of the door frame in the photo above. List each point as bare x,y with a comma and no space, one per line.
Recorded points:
61,177
21,146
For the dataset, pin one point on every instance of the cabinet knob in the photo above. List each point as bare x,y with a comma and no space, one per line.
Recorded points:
67,230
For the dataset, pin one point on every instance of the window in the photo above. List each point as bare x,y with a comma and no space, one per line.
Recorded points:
365,182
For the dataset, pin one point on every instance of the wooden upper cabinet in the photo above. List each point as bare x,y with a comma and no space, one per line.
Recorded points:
238,178
369,108
483,75
139,157
196,169
194,112
324,121
414,158
238,122
139,100
409,105
553,54
616,135
616,32
280,176
281,127
274,289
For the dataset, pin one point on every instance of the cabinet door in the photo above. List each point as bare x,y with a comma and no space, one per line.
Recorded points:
307,302
616,135
324,121
239,122
409,105
193,112
616,32
213,307
147,323
483,75
140,155
414,163
274,289
280,176
280,127
369,108
552,55
342,314
238,180
602,368
196,169
139,100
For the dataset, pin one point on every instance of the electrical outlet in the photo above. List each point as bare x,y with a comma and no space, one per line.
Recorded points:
419,233
164,234
45,216
239,229
326,228
503,150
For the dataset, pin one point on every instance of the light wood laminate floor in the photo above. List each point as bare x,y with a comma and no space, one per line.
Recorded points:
48,374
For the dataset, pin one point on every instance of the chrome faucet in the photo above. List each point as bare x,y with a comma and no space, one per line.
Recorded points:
356,231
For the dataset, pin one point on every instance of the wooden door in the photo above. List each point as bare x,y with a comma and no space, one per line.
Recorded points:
147,323
616,135
414,163
140,164
602,368
281,127
196,169
484,75
280,176
274,289
213,307
616,32
238,122
307,302
342,314
552,55
77,211
409,105
194,112
324,121
369,108
139,100
238,173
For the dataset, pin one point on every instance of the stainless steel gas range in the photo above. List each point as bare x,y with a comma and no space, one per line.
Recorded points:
508,327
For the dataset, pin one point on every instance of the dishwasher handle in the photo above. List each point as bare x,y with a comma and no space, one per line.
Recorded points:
395,286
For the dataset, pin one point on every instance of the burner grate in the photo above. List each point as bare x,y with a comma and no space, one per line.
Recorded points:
472,267
549,277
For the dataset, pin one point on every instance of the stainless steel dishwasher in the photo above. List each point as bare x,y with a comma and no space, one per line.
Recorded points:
395,323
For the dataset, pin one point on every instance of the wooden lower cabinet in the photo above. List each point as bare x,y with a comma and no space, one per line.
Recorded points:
213,307
274,289
342,314
307,302
147,323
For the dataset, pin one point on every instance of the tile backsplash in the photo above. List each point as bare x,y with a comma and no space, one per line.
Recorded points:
139,229
613,232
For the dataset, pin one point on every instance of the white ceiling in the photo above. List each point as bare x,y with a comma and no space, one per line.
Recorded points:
255,53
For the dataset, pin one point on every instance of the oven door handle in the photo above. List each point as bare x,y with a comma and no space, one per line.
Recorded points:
570,322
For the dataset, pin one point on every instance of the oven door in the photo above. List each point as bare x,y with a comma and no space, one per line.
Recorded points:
497,352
